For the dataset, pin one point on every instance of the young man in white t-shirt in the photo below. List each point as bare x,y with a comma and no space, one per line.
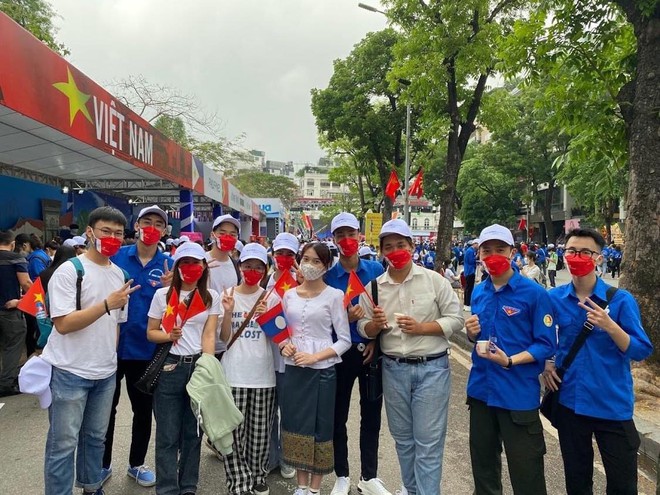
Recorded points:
83,352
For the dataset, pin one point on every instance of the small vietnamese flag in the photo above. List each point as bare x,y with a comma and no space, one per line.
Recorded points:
284,283
417,187
171,312
273,323
195,307
393,186
353,289
34,300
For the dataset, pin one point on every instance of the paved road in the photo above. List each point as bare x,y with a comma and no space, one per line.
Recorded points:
23,428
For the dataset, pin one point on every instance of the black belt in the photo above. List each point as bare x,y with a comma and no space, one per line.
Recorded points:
190,358
417,359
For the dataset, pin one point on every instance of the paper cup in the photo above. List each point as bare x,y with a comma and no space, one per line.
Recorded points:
397,316
482,346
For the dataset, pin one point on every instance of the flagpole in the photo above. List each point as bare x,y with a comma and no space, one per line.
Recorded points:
406,179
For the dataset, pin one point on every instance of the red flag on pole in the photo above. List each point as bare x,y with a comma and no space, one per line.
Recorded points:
353,289
393,185
34,300
195,307
284,283
417,187
522,225
171,312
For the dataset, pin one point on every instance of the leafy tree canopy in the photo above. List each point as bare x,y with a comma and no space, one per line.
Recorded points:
37,17
258,184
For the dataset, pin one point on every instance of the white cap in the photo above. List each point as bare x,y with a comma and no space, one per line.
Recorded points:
34,379
227,218
69,242
496,232
238,246
473,241
79,240
396,226
169,242
550,246
254,251
184,238
344,220
176,241
365,251
190,250
284,240
153,209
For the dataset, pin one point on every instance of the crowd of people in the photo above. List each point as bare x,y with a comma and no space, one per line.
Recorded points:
116,306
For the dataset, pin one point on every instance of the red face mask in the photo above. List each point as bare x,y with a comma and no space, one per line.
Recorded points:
399,258
191,273
252,277
348,246
226,242
283,262
108,246
496,264
149,235
579,266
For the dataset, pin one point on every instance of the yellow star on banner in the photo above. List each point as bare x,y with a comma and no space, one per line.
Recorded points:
169,310
286,287
39,298
349,289
77,99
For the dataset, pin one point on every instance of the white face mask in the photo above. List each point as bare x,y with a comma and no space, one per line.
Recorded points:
311,272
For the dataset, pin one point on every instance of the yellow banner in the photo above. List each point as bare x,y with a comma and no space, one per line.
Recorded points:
372,224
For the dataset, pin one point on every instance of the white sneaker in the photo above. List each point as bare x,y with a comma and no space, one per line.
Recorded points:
300,491
342,486
372,487
403,491
287,471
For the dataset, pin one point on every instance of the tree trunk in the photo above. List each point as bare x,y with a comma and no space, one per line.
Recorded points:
641,263
447,198
547,213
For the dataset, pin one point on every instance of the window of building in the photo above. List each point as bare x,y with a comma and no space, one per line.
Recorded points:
310,193
325,183
414,223
427,223
310,182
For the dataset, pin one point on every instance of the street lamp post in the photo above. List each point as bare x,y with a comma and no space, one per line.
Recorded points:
406,177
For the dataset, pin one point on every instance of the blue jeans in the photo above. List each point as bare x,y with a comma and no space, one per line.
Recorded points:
79,416
177,444
416,402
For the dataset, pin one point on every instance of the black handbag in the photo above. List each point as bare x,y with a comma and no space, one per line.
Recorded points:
374,371
147,382
550,402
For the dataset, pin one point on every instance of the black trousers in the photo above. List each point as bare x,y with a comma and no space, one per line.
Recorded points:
551,275
617,441
469,286
348,370
142,409
521,432
32,334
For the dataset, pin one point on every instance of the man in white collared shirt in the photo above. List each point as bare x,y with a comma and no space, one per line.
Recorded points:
417,313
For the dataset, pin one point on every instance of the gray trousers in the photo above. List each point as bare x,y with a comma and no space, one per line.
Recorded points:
12,340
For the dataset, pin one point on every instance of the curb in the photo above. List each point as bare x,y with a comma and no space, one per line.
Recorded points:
649,433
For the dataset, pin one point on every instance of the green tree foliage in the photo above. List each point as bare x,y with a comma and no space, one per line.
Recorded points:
258,184
359,113
488,193
448,51
37,17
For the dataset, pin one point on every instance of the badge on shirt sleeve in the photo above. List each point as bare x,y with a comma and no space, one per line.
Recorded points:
510,311
547,320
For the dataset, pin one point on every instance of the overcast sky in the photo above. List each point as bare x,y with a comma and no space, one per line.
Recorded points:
252,61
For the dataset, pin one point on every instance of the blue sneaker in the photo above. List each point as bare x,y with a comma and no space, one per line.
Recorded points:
143,475
105,475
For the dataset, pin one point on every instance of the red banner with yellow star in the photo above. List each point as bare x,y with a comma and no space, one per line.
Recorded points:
34,300
39,84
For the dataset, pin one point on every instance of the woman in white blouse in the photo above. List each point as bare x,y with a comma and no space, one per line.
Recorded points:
312,311
531,270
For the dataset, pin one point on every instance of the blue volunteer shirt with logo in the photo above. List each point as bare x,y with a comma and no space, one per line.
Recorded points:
133,343
598,383
337,277
470,263
519,315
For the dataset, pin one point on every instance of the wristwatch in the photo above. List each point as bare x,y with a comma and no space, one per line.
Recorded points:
509,365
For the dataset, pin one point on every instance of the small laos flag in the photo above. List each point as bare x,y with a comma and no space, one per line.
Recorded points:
273,323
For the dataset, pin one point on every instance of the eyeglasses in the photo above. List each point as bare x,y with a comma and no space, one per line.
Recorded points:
582,253
313,261
111,233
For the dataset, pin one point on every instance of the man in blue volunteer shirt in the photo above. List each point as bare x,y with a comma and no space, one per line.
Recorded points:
346,231
150,269
469,270
596,393
513,327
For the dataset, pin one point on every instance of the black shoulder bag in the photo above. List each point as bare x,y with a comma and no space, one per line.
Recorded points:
550,402
374,371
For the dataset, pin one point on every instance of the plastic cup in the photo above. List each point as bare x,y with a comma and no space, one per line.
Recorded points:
482,346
